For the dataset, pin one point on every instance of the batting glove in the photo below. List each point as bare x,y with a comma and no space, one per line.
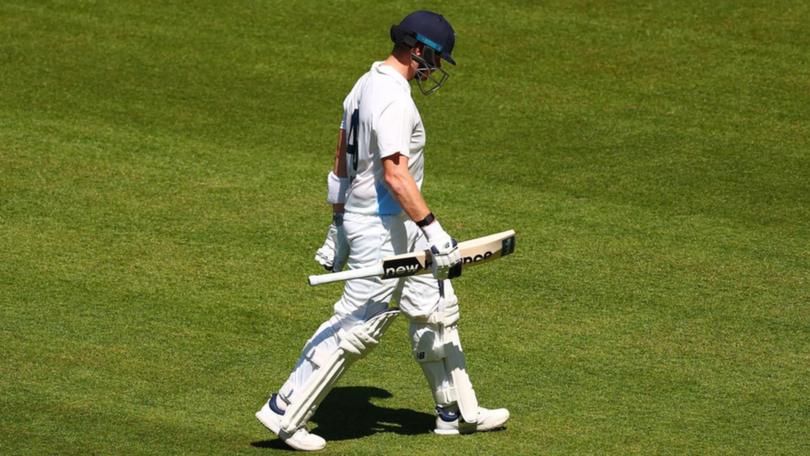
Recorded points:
446,257
335,249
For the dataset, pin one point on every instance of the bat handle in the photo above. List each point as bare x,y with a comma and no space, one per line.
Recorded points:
359,273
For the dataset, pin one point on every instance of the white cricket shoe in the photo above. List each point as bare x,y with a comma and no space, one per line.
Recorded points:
301,439
450,424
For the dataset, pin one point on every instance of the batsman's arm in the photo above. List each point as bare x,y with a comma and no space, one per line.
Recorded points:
446,258
340,165
407,193
333,253
340,155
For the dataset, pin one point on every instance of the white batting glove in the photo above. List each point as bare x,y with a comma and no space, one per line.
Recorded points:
335,249
446,262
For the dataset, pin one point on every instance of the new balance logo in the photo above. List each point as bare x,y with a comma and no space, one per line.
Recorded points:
397,271
476,258
401,267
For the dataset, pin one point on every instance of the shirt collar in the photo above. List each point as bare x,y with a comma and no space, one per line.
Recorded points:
379,68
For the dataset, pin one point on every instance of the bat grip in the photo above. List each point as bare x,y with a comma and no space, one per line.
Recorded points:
360,273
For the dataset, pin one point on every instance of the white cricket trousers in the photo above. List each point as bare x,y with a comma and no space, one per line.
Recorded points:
371,237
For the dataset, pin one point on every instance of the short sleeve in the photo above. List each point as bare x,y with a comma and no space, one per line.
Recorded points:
344,120
394,128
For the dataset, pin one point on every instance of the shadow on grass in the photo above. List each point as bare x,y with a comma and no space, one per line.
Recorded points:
348,413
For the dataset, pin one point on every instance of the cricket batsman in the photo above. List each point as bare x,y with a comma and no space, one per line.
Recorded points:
378,211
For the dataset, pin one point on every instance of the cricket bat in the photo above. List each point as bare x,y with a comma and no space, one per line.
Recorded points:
473,252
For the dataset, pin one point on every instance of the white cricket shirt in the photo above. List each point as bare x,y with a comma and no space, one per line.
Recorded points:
380,119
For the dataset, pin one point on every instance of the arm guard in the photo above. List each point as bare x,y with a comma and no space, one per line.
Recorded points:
336,188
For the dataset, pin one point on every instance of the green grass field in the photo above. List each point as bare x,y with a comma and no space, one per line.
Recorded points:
162,194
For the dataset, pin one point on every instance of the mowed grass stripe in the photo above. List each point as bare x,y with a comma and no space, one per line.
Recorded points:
161,198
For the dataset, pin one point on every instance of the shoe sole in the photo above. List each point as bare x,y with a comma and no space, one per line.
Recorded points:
494,427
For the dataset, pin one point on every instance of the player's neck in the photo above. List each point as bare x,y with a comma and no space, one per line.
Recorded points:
401,62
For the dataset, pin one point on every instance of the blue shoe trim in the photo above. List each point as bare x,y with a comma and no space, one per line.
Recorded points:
446,415
272,404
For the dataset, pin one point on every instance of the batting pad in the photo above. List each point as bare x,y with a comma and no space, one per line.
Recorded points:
354,344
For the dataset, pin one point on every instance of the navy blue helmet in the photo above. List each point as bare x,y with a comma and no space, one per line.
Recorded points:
437,38
428,28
